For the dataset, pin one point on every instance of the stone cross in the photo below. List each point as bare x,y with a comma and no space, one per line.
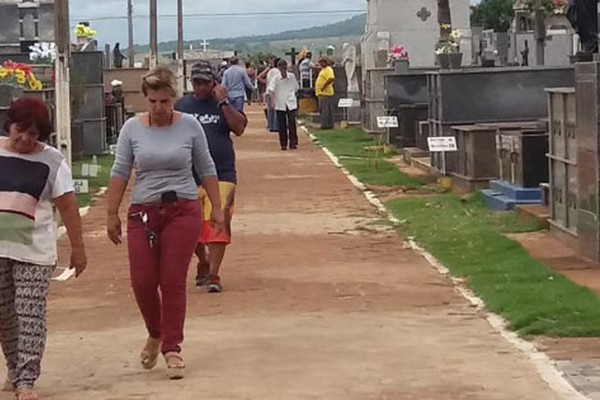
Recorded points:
424,14
204,45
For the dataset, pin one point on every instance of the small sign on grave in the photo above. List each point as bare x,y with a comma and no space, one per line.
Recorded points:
442,144
81,186
346,103
112,149
387,122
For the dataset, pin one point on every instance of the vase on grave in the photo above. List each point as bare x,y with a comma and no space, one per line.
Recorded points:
449,60
401,66
9,94
45,73
455,60
443,60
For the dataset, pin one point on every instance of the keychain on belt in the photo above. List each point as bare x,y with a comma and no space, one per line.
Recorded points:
150,235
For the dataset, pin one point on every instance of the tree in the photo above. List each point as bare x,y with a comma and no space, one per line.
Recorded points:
493,14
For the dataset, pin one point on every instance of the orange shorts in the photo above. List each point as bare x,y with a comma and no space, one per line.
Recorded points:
210,233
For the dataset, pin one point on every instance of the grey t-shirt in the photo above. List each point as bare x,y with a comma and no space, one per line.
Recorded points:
163,159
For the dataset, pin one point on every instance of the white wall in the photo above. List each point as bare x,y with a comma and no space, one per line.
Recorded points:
399,17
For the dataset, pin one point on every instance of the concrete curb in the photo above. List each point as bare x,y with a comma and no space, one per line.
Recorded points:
545,366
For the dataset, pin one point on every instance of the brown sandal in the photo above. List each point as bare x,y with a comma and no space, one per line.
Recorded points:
150,353
26,394
175,365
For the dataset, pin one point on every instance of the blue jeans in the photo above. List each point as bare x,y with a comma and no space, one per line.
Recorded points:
237,103
272,124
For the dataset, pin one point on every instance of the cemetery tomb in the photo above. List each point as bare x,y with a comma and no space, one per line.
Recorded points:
374,95
477,163
562,159
406,98
488,95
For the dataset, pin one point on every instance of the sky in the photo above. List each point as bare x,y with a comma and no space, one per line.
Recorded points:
114,30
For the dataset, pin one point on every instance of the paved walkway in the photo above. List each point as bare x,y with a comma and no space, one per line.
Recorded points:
322,301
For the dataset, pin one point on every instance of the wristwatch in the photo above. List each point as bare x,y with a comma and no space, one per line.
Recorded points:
223,102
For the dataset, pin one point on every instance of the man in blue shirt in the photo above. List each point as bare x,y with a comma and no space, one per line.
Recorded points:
236,81
210,106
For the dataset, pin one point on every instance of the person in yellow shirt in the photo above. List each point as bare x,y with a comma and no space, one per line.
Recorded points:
325,91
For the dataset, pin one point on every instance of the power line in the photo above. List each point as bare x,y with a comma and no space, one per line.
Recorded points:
227,15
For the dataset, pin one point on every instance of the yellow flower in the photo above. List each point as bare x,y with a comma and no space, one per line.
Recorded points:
21,80
3,72
35,84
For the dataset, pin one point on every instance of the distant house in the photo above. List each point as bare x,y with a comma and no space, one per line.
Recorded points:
25,22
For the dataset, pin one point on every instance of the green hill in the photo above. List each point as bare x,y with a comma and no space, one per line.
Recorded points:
354,26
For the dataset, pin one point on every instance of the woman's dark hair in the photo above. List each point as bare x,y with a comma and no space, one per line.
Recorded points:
28,112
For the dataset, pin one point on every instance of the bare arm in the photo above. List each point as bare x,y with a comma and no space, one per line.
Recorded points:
262,77
328,82
69,212
120,174
116,191
236,120
211,186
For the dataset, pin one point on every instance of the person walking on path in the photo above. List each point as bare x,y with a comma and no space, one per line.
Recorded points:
236,81
272,75
35,178
283,90
325,92
163,220
252,75
209,105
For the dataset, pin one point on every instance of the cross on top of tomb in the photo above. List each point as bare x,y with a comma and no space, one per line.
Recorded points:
293,53
424,14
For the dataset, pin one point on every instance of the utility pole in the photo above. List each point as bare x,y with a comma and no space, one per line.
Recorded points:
131,52
153,33
63,95
180,51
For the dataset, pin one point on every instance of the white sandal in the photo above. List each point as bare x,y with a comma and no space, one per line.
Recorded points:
175,365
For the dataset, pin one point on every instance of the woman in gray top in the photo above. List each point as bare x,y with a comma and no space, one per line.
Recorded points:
163,221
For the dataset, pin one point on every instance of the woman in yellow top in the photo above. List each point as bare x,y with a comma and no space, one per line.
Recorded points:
325,91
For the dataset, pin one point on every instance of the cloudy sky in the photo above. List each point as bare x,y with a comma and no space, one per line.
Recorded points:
108,17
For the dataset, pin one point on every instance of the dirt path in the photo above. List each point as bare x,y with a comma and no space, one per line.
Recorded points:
322,301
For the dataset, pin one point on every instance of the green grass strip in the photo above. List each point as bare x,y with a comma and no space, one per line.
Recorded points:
469,240
106,162
351,145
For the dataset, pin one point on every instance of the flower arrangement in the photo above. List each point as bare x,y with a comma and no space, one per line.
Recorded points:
452,44
43,53
19,75
397,53
85,32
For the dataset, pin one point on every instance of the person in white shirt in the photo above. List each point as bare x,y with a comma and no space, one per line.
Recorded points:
273,74
283,91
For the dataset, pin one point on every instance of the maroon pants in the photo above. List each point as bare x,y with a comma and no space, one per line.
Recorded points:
163,266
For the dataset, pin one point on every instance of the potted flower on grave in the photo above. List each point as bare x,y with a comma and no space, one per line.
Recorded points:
84,33
398,57
448,52
14,78
42,58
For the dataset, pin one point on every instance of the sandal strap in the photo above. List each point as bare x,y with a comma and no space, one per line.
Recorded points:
171,356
